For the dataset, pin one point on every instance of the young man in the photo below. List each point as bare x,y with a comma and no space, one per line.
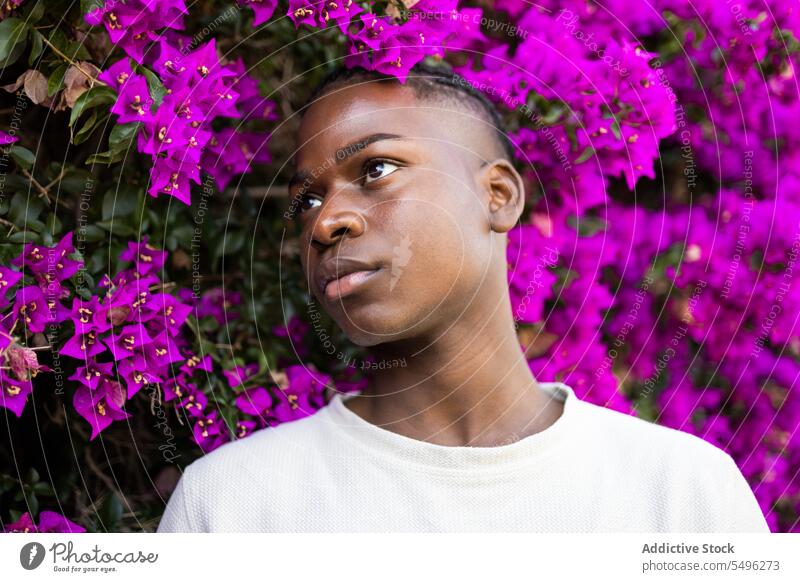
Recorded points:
404,194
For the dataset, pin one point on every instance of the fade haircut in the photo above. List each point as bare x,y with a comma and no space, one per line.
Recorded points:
429,83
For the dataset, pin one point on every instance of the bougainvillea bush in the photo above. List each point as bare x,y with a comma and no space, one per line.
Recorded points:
153,306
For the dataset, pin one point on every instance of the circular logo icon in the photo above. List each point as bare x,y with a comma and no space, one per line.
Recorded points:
31,555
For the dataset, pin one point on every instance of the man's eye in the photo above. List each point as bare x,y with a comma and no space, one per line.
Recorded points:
308,201
377,169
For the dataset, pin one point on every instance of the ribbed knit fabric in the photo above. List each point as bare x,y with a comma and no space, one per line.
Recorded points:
593,470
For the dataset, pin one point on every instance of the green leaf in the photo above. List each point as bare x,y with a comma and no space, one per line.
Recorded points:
59,40
98,118
22,156
36,48
587,225
13,34
234,241
587,153
56,80
78,181
89,5
23,236
119,203
157,90
35,11
122,135
117,227
94,233
119,142
98,95
25,209
53,223
111,512
615,129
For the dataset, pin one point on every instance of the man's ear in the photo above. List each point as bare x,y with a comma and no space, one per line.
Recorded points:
505,193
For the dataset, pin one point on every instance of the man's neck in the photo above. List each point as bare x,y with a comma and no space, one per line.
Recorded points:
467,388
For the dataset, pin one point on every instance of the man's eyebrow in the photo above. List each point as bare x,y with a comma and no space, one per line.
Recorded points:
299,178
344,153
351,149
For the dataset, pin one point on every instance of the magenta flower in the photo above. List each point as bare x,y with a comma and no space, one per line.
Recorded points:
255,402
296,331
172,177
304,395
8,279
168,311
230,153
210,432
132,25
136,374
134,102
117,75
49,522
36,310
101,406
92,373
240,374
90,315
194,362
245,428
162,351
14,393
7,139
262,9
23,525
251,104
5,337
83,346
128,341
49,265
531,275
176,387
52,522
194,402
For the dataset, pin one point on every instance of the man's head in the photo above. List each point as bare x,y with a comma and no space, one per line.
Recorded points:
410,185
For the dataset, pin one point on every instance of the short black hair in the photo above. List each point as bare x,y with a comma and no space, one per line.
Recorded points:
427,81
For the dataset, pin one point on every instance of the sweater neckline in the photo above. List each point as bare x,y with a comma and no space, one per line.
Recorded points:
386,443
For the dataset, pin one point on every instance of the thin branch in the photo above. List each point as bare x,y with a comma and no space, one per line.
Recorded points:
44,191
92,80
56,180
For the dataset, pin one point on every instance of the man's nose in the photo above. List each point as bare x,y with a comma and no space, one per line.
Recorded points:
336,220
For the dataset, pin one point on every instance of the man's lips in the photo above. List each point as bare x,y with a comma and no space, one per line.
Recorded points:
348,283
340,275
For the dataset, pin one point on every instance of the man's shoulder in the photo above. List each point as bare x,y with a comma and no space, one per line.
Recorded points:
684,481
636,438
271,448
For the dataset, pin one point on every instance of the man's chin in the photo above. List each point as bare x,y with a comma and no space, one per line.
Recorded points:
366,331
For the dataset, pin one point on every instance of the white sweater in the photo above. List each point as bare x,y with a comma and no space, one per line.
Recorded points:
593,470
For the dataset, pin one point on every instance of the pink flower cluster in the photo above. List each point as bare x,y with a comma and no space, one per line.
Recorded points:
36,307
265,399
738,73
176,110
49,522
392,43
600,111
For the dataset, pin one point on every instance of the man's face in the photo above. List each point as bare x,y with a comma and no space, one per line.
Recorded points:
386,191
